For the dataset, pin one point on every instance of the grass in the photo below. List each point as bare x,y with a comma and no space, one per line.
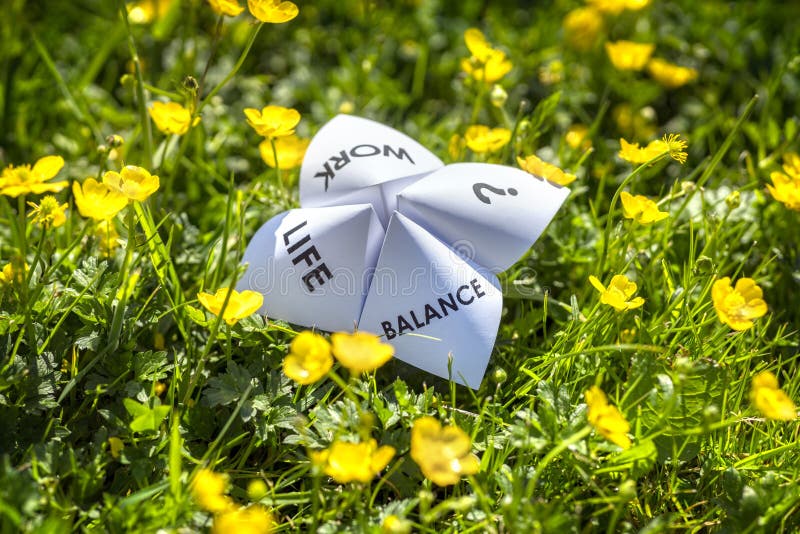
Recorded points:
97,345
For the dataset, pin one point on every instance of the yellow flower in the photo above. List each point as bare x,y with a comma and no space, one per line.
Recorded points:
578,137
393,524
669,75
442,453
133,182
240,305
7,274
482,139
549,172
230,8
171,117
273,121
632,153
619,292
97,200
254,519
641,209
477,44
582,26
486,63
673,144
615,7
208,489
115,446
146,11
493,69
770,399
347,462
607,419
791,164
785,189
627,55
360,352
290,149
309,358
670,144
48,213
12,274
16,181
738,306
273,11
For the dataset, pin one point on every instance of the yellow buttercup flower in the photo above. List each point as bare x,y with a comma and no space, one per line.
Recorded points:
669,75
240,305
254,519
16,181
12,274
48,213
273,121
482,139
477,44
582,26
348,462
627,55
208,490
578,137
738,306
606,418
309,358
274,11
171,117
615,7
632,153
641,209
97,200
674,145
670,144
146,11
136,183
393,524
791,164
360,352
442,453
231,8
618,293
549,172
291,150
785,190
486,64
493,69
770,399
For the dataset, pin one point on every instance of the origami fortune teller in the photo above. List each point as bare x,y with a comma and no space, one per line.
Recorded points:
392,241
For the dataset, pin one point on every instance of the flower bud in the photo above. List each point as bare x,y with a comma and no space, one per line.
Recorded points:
733,200
498,96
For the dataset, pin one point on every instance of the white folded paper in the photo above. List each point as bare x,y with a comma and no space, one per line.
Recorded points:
313,265
490,213
432,305
429,287
358,161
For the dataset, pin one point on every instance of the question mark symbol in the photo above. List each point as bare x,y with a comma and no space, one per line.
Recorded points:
480,186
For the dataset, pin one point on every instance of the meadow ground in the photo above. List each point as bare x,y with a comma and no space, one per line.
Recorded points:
645,372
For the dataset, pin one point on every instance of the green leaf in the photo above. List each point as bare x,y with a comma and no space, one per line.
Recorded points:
145,418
